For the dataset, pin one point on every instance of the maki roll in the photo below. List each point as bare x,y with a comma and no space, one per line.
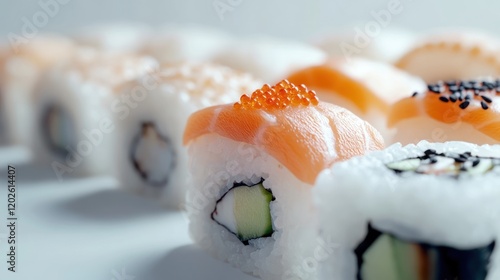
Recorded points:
253,164
75,105
457,110
453,55
269,59
150,158
366,88
427,211
20,70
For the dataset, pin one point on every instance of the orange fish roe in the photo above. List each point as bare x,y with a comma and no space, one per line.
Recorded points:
282,95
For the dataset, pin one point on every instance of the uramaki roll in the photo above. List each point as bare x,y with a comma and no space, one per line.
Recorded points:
253,165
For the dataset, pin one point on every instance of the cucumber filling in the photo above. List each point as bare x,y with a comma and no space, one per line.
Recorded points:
245,211
58,130
382,255
447,164
152,156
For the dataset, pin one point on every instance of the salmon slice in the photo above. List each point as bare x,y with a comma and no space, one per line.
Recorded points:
453,55
474,102
367,84
290,124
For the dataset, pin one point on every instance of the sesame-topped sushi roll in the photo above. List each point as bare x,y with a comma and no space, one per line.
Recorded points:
428,212
20,70
465,110
269,59
453,55
366,88
253,165
150,157
75,105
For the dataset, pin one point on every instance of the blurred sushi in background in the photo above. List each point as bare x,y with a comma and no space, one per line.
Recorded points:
426,211
21,70
453,55
253,165
149,155
456,110
269,59
73,131
366,88
388,46
175,44
115,37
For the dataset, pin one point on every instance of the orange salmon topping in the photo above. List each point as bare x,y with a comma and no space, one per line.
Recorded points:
474,102
282,95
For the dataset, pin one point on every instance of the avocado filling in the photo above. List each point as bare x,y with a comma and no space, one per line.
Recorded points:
383,255
152,155
448,164
245,211
58,130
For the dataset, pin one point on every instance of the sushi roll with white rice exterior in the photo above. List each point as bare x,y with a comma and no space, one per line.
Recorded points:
253,165
425,211
75,105
150,157
20,70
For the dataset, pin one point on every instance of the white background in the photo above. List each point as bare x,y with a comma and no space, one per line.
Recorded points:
284,18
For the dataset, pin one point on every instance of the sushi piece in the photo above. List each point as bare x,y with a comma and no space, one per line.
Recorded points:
20,70
75,105
175,44
388,46
115,37
253,164
425,211
459,110
150,157
366,88
453,56
269,59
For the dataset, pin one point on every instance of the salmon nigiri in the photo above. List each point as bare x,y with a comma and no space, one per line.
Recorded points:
453,55
366,88
253,165
465,110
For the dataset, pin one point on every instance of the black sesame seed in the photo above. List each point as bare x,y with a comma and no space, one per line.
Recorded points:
484,105
451,83
433,160
414,94
489,85
434,88
464,104
486,98
475,162
459,159
430,152
467,97
453,98
444,99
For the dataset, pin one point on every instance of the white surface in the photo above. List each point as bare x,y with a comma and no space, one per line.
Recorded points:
87,228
